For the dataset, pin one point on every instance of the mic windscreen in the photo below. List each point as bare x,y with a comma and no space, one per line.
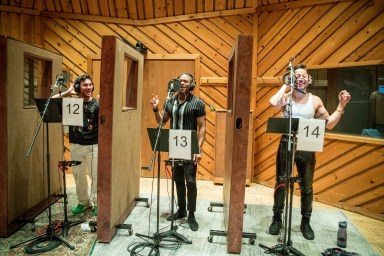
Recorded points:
174,85
61,80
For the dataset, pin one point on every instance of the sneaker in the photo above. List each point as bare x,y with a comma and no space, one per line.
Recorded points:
95,211
306,230
178,215
193,225
80,208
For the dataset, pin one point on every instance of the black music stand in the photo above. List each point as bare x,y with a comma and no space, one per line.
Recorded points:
50,110
159,139
286,126
67,224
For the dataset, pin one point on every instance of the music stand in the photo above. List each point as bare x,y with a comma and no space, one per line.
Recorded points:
286,126
63,165
50,110
159,139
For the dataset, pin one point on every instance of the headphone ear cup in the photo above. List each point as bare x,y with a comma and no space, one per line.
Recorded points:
192,86
77,84
77,87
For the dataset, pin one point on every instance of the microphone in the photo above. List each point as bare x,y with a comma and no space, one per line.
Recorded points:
291,72
173,86
60,81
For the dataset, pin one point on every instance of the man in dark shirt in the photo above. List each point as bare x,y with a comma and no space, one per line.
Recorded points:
84,144
187,112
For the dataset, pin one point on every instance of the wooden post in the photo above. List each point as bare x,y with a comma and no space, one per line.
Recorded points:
238,107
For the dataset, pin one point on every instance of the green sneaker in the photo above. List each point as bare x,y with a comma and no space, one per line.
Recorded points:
79,209
95,211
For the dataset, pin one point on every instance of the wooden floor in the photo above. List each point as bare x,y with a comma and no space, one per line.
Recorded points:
371,229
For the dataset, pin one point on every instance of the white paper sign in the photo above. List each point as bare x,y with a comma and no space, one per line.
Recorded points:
73,111
310,135
180,144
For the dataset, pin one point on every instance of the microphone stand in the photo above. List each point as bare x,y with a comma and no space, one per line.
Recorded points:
158,237
50,236
286,248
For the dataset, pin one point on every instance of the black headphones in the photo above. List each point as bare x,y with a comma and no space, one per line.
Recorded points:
193,82
78,80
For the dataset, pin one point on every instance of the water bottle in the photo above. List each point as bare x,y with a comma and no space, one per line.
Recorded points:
342,234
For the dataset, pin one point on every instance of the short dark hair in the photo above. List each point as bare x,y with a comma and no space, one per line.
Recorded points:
301,66
83,77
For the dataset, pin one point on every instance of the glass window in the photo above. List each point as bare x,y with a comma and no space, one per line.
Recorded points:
130,87
364,114
35,70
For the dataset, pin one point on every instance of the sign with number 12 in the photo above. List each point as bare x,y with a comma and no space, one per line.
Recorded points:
73,111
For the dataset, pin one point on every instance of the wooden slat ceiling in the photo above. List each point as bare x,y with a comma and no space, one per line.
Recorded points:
138,9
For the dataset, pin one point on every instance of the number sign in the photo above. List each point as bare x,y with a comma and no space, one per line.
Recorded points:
180,142
310,135
73,111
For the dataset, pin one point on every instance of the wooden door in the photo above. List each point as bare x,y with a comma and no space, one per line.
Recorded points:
121,80
26,72
158,71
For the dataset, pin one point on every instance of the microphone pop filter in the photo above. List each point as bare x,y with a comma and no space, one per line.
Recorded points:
174,85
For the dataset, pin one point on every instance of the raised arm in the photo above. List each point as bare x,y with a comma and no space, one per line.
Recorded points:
67,93
279,99
155,106
344,98
321,112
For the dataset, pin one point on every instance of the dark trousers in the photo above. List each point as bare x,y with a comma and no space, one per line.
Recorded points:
185,180
305,163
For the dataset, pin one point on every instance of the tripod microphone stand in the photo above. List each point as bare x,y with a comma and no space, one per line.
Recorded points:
67,224
163,236
50,235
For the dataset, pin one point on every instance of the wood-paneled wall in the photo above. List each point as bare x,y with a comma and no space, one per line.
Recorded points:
319,33
349,173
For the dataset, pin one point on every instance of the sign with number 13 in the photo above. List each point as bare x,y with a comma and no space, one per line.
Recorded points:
180,144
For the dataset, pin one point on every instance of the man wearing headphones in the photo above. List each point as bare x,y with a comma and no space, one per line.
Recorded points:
84,144
304,105
187,112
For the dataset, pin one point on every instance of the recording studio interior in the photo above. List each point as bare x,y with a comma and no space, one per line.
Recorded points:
212,127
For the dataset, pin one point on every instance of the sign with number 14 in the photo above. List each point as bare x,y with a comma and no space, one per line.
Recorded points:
310,135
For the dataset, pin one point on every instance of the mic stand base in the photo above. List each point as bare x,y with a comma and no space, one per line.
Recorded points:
280,249
50,236
157,239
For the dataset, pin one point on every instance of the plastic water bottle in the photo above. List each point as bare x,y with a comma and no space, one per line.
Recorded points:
342,234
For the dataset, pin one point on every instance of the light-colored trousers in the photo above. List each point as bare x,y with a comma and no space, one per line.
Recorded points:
87,154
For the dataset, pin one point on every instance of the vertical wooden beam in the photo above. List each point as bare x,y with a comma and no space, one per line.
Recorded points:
105,142
3,138
253,89
239,89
